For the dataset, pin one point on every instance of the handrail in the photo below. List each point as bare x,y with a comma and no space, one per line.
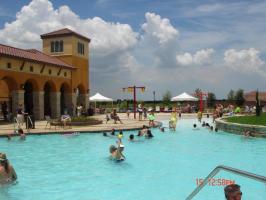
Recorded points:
28,118
229,169
15,123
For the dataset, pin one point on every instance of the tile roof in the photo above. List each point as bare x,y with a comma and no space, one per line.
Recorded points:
251,96
32,55
63,32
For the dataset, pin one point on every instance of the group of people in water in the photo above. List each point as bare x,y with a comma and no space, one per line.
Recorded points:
116,151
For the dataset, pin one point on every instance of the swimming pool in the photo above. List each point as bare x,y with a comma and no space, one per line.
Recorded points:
163,168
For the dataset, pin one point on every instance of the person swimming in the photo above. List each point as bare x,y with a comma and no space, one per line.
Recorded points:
195,127
113,132
139,134
7,172
162,129
116,153
131,138
22,135
216,129
120,135
105,134
149,134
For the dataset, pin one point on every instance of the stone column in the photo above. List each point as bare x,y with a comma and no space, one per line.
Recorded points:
17,98
85,101
55,104
38,105
71,103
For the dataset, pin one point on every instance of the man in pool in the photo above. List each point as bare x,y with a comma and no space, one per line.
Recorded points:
116,153
232,192
195,127
7,172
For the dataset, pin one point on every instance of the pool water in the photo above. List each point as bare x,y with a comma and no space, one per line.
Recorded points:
166,167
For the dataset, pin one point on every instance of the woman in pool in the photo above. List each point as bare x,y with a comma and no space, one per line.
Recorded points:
149,135
22,135
7,172
151,118
173,120
116,152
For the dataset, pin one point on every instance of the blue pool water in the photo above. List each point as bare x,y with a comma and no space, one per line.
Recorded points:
166,167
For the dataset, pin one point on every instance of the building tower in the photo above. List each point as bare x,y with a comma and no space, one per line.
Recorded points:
73,49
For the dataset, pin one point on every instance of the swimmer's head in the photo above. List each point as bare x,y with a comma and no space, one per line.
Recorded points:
162,129
131,137
143,126
104,134
195,125
139,133
216,129
20,131
112,149
121,133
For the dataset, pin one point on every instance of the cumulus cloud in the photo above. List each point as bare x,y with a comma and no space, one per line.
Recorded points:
159,42
159,28
199,58
110,42
246,60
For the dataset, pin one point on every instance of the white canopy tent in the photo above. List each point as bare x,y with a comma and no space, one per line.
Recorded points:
100,98
184,97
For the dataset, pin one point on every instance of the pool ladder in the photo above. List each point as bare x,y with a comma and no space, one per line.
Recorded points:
228,169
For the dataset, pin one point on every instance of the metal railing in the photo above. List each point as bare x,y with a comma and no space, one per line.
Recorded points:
228,169
16,125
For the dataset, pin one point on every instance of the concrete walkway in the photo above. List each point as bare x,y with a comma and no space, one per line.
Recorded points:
128,124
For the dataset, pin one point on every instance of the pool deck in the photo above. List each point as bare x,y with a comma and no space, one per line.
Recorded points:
128,124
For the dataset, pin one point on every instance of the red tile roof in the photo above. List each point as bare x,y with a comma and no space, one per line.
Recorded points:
63,32
32,55
251,96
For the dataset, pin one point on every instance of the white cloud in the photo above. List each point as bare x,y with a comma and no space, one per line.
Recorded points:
159,28
210,7
245,60
199,58
40,17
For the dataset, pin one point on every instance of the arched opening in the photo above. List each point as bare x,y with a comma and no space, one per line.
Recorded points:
48,88
64,100
7,86
28,97
47,99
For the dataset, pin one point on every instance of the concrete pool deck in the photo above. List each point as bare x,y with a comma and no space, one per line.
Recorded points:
128,124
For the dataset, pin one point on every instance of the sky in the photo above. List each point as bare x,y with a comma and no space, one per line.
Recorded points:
175,45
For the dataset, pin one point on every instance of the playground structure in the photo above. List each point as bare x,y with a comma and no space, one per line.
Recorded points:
133,89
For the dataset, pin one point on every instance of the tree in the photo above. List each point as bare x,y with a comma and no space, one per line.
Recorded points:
258,108
239,97
167,97
231,95
197,92
211,99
